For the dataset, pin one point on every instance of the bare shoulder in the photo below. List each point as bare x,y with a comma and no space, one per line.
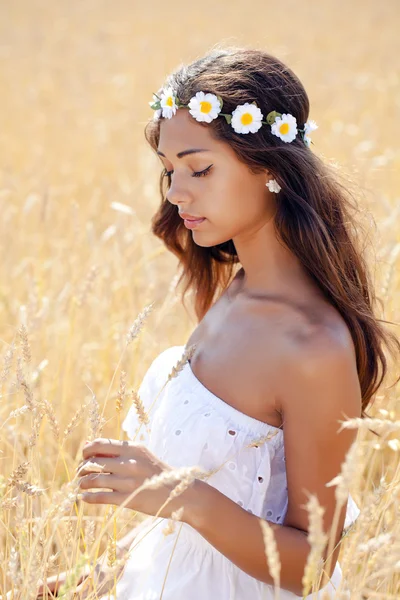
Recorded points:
311,342
318,337
329,344
321,363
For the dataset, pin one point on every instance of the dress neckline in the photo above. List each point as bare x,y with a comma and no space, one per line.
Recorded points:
243,420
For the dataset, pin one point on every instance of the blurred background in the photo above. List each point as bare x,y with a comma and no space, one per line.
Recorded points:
79,185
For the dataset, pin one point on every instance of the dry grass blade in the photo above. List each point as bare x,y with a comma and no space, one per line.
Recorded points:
87,285
7,364
263,439
95,418
138,324
318,540
139,407
26,349
49,412
187,355
29,401
38,414
18,474
272,554
172,476
119,405
29,489
15,413
74,421
379,425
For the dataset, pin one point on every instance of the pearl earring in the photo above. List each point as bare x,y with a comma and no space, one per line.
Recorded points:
273,186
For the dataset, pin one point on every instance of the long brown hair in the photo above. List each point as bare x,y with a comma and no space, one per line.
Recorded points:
313,217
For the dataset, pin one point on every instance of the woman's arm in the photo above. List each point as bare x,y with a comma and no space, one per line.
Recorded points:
237,534
317,392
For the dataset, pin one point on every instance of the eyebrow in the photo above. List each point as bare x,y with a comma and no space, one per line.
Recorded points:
185,152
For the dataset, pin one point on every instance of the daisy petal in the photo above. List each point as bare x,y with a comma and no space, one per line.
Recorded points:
204,107
246,118
168,103
285,127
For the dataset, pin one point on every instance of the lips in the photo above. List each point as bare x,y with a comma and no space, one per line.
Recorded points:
188,217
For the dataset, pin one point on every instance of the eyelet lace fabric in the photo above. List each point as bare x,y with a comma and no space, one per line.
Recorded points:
189,426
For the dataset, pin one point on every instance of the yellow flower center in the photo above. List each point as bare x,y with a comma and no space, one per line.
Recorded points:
205,107
284,128
246,118
169,101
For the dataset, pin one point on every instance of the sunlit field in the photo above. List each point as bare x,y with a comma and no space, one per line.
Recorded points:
78,188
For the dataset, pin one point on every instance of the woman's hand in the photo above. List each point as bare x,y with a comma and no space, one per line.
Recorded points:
124,467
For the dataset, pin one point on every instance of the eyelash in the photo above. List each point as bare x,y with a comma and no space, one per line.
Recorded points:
195,174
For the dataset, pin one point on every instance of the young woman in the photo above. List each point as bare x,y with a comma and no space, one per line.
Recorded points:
284,350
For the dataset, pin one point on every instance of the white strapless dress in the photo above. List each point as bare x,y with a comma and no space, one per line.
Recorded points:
191,426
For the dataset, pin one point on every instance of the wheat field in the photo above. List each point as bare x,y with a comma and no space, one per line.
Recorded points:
78,187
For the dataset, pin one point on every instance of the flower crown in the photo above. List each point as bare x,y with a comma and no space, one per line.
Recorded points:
246,118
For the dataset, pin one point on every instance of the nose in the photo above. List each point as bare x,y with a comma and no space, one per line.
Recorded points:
177,194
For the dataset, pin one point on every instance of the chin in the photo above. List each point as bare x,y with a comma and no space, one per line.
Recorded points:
199,240
203,244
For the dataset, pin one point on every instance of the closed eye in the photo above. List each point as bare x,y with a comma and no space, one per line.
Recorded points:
195,174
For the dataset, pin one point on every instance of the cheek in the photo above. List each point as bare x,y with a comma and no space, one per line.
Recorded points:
238,200
229,192
241,186
250,196
234,200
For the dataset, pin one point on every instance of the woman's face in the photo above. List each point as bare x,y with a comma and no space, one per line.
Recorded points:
234,202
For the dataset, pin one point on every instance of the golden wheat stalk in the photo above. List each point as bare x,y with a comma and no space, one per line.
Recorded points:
272,555
318,539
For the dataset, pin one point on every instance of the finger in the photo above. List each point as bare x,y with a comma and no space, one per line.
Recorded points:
97,464
115,465
90,466
100,480
104,497
124,485
105,447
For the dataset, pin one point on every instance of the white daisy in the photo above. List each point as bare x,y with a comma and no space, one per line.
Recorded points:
246,118
168,103
285,127
204,107
273,186
309,126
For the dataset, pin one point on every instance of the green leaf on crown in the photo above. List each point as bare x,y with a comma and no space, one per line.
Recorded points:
180,104
271,117
155,105
228,118
221,102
